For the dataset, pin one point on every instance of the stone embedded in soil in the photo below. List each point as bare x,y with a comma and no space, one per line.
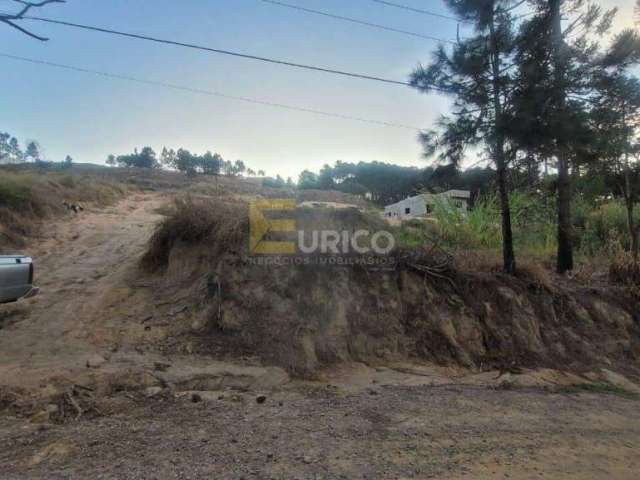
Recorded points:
160,366
96,361
40,417
178,310
201,395
153,391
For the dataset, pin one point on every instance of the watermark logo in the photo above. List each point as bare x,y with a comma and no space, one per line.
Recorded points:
275,232
261,227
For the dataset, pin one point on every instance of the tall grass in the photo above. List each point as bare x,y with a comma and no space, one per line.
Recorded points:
606,230
600,230
481,227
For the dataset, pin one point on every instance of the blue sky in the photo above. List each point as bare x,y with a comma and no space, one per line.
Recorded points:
90,117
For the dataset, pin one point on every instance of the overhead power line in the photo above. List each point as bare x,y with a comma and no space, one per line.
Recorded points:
417,10
355,20
206,92
222,52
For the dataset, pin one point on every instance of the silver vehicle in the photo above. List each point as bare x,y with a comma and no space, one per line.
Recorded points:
16,278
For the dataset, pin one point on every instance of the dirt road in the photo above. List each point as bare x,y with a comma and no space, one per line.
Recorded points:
323,433
78,262
369,423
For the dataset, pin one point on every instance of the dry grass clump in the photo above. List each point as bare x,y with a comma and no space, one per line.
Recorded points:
477,260
536,272
625,270
218,226
538,275
14,228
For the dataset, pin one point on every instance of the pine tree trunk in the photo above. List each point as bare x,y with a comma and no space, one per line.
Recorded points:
508,254
628,199
532,170
633,231
565,246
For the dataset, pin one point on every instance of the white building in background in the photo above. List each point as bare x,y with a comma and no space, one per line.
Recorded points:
423,205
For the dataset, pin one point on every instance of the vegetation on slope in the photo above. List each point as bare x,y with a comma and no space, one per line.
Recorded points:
29,197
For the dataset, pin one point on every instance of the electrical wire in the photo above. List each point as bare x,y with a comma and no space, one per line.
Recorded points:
355,20
417,10
207,92
221,51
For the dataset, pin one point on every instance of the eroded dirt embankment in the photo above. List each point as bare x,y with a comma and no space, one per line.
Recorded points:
104,322
303,318
306,317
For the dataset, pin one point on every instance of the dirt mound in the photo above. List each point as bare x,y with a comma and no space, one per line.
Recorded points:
332,196
304,317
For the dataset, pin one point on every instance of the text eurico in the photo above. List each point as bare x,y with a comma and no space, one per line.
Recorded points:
316,241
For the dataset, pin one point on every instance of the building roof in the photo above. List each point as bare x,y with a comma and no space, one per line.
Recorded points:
450,193
465,194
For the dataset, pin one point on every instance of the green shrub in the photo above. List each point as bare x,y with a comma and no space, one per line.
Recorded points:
477,228
606,229
15,196
415,233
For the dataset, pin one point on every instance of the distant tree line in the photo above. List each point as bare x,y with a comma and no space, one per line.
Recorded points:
385,183
12,153
278,182
183,161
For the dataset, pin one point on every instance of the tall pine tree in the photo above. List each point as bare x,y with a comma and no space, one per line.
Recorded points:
558,57
616,119
477,73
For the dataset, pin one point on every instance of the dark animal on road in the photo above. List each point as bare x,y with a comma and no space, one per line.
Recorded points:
73,207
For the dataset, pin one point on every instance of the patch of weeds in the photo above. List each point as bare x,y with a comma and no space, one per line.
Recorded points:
413,234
